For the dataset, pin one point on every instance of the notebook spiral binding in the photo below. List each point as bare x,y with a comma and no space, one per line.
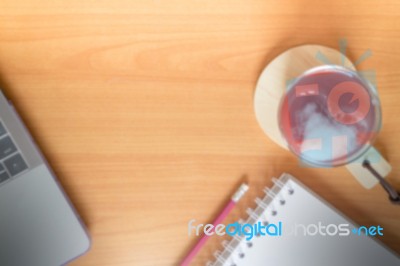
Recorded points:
265,207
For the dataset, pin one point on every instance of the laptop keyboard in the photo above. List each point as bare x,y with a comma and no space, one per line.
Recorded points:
11,161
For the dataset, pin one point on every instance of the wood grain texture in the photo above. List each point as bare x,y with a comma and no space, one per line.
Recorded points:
145,109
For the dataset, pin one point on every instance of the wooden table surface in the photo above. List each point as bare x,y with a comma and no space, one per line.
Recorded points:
144,109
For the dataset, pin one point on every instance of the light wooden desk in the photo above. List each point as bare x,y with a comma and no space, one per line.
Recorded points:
144,109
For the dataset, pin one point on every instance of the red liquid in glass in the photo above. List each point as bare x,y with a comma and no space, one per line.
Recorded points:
328,116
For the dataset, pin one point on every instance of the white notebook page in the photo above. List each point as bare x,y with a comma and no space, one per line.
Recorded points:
305,207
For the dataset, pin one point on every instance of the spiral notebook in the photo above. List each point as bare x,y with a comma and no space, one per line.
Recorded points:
313,234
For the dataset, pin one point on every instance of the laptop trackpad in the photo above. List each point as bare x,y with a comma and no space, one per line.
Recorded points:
37,225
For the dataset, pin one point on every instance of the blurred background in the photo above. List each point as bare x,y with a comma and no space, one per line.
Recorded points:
145,109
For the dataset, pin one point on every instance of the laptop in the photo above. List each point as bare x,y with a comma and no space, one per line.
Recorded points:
38,224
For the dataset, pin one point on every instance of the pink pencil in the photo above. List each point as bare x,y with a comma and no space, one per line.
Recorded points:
234,199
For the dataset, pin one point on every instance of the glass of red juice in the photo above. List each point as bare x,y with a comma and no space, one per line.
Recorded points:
329,116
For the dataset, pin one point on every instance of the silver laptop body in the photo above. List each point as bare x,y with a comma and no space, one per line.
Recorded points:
38,224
